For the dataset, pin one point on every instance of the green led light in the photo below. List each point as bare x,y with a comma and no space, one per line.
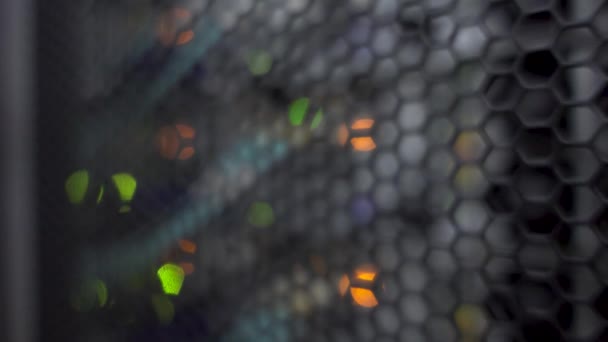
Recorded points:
164,308
316,121
76,186
171,278
102,292
297,111
91,293
260,62
100,194
126,185
260,215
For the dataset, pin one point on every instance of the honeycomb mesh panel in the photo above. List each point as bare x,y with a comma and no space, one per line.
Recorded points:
354,170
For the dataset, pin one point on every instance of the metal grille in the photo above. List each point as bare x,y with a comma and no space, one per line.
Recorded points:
353,170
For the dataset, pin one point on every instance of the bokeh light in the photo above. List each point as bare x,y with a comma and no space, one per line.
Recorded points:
362,210
298,112
259,62
363,297
171,278
164,308
184,37
362,124
471,320
171,26
176,142
343,285
100,194
187,246
260,215
366,275
91,294
361,143
362,286
188,267
469,146
126,186
76,186
342,134
317,119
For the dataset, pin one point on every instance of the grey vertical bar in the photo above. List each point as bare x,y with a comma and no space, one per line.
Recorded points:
581,125
581,83
16,183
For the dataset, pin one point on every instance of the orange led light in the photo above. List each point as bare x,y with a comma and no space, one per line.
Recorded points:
342,134
169,27
343,285
363,144
168,142
187,246
185,131
188,267
363,297
367,276
184,37
362,124
366,272
360,143
186,153
175,142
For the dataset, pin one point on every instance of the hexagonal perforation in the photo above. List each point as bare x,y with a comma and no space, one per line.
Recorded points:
599,20
537,68
576,165
501,55
575,45
570,132
532,6
536,31
567,78
564,10
503,92
536,146
570,211
500,18
576,243
477,203
537,108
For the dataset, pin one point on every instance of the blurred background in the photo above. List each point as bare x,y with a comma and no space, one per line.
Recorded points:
304,170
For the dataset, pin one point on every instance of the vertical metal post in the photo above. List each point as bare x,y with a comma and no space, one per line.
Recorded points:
580,125
580,84
18,284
